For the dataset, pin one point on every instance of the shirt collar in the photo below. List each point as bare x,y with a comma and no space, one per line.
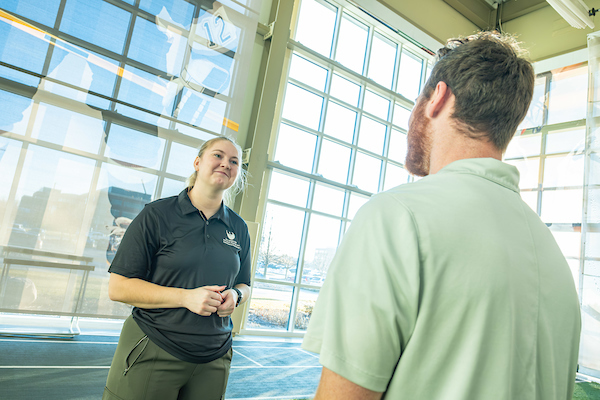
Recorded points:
488,168
186,206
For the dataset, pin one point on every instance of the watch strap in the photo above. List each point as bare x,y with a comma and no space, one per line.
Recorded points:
239,293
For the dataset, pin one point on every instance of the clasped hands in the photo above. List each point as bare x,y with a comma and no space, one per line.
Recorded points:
207,300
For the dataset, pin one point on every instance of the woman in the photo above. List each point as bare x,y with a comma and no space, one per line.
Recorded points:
184,264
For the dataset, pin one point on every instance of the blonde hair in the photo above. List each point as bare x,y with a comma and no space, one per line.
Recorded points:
242,175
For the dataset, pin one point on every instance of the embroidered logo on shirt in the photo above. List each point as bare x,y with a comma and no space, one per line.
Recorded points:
230,240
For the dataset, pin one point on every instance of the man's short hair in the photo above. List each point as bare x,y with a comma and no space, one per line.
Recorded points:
492,82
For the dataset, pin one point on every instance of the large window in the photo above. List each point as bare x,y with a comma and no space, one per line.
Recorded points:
341,138
549,149
104,104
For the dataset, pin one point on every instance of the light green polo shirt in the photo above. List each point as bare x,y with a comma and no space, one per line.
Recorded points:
450,288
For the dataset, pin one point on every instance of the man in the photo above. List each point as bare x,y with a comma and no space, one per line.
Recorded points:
451,288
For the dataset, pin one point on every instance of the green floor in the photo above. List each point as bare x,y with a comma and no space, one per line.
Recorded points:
587,391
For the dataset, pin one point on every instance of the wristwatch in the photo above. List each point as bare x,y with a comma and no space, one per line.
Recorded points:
239,293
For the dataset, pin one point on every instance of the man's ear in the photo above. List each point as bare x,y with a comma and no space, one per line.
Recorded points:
438,100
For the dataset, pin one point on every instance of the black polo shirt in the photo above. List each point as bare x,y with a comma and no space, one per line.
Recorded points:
171,244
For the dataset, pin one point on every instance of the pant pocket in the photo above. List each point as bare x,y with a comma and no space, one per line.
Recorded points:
135,353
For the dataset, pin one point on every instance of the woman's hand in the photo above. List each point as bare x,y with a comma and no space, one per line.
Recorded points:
229,302
204,300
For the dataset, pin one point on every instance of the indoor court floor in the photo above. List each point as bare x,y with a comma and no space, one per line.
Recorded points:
69,369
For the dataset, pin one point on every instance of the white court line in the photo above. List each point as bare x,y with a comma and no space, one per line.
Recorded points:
107,367
245,356
309,353
53,341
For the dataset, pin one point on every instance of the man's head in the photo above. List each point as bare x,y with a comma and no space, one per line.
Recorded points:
492,84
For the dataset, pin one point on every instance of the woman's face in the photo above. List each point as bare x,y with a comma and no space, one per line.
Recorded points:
218,166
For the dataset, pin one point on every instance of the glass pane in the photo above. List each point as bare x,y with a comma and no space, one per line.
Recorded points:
401,116
328,199
562,206
366,172
592,247
134,148
376,105
308,72
594,169
529,170
569,243
97,74
356,202
279,243
295,148
306,303
157,46
43,12
345,90
571,140
171,187
352,44
383,60
288,189
321,243
530,198
394,176
9,157
372,135
524,146
200,110
51,200
340,122
150,91
589,348
593,210
209,69
181,159
334,161
103,24
219,33
535,114
302,106
568,95
65,128
180,11
398,146
269,306
563,171
409,76
15,112
22,48
314,14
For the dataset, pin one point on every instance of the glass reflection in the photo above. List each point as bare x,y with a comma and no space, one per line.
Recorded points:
79,164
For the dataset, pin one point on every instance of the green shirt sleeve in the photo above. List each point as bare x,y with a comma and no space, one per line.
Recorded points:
367,308
366,311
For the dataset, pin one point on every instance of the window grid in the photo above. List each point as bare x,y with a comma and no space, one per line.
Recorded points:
314,178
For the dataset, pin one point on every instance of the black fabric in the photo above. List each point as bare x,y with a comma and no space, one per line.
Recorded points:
169,243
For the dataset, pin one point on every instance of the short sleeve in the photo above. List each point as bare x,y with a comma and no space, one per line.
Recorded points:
245,259
138,247
367,308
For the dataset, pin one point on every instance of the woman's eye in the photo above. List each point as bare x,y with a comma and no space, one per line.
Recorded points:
217,155
234,162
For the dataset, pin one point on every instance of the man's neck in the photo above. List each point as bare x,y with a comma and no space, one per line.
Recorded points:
450,146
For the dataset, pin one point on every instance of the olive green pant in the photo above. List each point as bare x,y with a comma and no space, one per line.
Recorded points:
142,370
